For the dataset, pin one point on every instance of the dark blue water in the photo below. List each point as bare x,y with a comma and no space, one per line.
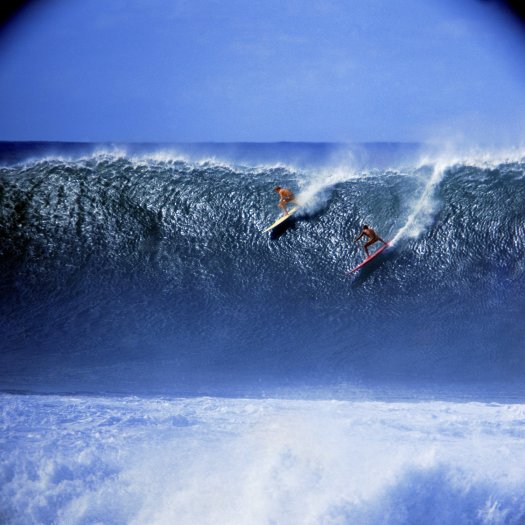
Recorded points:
143,269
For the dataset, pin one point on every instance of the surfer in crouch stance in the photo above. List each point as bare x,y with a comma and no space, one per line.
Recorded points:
372,237
285,197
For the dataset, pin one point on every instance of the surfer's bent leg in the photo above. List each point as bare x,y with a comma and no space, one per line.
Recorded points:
369,243
283,203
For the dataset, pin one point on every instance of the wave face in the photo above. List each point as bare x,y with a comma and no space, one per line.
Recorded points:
147,271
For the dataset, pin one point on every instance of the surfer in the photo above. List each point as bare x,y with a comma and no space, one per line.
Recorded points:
372,237
285,197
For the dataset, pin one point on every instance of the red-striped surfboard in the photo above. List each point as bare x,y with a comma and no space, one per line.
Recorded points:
370,257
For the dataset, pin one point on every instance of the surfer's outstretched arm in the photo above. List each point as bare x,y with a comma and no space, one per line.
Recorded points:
357,238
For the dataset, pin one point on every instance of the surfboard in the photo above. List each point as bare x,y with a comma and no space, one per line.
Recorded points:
280,220
370,257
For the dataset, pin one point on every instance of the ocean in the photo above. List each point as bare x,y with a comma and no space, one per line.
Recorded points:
163,361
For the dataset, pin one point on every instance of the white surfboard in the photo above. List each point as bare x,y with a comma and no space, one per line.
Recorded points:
280,220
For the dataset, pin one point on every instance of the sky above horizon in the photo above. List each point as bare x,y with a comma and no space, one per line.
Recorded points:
262,71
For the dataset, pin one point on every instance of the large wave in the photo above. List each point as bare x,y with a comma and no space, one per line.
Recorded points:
122,270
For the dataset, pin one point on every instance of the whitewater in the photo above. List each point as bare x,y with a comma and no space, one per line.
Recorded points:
164,361
208,460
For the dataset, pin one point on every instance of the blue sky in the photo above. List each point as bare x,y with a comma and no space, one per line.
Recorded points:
237,70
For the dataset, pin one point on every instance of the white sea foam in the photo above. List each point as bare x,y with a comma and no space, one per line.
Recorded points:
424,205
433,167
73,460
316,186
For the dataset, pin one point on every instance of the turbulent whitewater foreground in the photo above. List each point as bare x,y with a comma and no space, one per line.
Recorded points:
131,460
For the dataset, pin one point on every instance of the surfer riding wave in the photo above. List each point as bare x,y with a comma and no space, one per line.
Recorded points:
372,238
286,196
